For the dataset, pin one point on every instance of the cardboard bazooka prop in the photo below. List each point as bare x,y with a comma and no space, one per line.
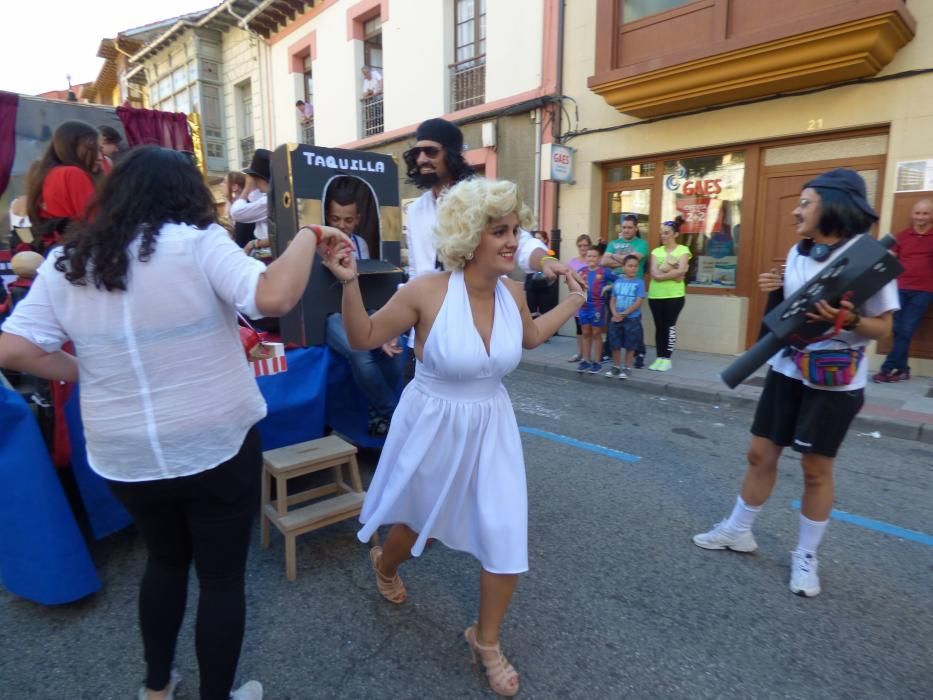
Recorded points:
858,274
303,179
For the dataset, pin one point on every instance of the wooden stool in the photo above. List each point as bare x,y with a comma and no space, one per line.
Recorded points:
297,460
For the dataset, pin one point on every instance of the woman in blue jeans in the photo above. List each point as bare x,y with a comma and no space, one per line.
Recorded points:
148,291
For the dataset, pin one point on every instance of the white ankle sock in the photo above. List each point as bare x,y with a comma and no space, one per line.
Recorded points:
811,532
743,516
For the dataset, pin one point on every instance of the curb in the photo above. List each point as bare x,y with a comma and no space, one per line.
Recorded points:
888,427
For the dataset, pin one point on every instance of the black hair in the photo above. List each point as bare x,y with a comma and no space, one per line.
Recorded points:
300,103
109,134
344,196
457,166
676,223
839,216
630,257
634,220
150,187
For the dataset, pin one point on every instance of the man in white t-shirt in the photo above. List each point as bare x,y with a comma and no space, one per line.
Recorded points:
372,82
810,413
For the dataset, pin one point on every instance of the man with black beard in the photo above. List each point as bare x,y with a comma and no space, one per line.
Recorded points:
435,163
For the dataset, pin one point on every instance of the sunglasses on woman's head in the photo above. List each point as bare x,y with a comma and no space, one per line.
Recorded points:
429,151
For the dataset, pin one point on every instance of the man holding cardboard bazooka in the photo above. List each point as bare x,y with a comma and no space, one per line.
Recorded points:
815,385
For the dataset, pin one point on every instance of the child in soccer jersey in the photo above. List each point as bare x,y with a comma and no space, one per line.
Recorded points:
628,294
593,313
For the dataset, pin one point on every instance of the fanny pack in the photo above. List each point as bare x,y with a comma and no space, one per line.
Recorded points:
829,367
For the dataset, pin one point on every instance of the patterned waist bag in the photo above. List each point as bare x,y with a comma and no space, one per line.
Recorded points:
828,367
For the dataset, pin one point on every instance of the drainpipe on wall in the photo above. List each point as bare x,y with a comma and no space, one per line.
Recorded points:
556,121
537,182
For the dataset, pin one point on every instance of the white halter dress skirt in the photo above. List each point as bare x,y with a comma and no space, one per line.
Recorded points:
452,466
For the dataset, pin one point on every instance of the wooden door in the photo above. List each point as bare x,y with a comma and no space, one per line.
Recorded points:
779,193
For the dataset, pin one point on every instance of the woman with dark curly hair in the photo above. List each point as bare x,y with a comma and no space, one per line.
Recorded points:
148,291
62,183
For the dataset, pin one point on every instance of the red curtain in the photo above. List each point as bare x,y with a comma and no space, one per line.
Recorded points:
8,104
149,127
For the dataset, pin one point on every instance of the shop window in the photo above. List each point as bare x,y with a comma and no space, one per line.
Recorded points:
624,173
707,192
622,203
636,9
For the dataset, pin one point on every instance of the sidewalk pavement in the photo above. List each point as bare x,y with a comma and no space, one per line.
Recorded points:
902,410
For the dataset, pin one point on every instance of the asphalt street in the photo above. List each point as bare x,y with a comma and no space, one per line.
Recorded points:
618,602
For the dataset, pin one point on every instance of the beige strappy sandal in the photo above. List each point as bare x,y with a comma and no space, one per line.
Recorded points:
391,588
502,676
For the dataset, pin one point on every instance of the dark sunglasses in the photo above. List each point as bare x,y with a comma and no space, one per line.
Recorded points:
429,151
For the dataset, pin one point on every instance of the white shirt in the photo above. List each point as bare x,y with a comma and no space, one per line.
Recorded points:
166,390
798,270
360,247
422,247
373,82
252,210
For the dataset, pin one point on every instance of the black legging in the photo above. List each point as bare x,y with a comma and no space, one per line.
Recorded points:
665,312
207,518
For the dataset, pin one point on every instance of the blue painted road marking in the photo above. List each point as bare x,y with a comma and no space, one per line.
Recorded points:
877,526
590,447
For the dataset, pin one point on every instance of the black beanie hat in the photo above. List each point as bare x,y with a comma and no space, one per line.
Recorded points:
442,131
848,182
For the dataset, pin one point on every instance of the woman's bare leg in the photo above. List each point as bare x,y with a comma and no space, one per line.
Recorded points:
396,549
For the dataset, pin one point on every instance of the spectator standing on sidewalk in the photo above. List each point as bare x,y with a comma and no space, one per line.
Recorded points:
578,265
628,243
667,293
593,313
914,250
625,333
810,413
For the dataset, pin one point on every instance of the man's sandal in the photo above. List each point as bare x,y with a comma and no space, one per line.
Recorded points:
502,676
391,588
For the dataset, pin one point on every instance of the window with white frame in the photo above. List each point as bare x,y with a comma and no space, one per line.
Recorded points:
468,71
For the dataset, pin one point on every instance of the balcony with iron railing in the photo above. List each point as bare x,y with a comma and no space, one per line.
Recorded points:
732,50
467,83
373,120
306,129
247,147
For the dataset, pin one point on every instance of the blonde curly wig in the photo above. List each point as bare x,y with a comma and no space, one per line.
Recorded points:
466,209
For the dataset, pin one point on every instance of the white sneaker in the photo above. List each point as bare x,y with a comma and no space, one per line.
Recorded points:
576,357
803,578
722,537
251,690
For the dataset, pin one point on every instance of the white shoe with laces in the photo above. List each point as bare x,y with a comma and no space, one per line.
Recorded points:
804,580
251,690
723,537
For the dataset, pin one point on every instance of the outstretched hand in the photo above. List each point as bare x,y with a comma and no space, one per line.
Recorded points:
338,256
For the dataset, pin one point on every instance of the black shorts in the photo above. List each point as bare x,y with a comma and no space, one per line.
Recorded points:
791,414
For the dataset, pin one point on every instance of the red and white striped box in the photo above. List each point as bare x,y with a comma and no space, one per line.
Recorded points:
274,361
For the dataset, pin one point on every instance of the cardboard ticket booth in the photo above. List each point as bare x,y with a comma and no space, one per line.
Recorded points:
303,179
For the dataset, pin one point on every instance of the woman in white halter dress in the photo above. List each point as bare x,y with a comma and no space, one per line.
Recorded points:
452,467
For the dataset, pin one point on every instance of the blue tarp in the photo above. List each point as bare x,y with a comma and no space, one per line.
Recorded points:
43,556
